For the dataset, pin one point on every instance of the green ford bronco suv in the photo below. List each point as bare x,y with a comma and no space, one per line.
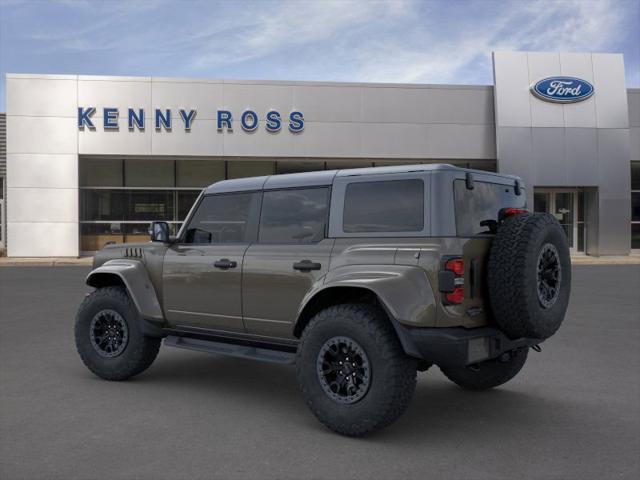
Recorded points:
359,277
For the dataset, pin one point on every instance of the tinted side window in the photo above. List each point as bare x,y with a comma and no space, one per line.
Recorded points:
223,219
384,206
482,203
294,216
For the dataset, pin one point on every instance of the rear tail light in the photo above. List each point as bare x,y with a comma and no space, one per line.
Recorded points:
509,212
451,281
456,297
455,265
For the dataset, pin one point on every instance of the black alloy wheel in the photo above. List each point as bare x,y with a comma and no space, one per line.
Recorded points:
343,370
108,333
549,275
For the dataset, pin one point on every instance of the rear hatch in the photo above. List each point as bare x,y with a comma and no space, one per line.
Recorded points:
463,268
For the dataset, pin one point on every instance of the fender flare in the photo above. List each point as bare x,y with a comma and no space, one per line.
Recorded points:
404,292
133,274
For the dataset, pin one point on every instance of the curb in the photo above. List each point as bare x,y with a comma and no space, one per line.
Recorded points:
46,262
617,260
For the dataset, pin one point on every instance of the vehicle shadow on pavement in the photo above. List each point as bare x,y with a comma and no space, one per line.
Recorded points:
439,410
442,411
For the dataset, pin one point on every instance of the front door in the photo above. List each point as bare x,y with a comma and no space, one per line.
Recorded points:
203,271
563,205
291,255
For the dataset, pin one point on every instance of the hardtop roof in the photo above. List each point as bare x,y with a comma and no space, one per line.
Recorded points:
326,177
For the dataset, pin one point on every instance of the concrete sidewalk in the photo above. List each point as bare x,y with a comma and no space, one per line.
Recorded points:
606,260
87,261
44,261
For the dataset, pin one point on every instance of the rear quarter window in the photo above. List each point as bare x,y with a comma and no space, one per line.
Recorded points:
482,203
384,206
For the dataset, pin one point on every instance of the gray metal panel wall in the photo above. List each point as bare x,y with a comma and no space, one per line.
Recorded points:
342,120
633,94
3,145
583,144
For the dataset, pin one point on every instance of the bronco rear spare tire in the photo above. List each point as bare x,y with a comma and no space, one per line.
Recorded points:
529,276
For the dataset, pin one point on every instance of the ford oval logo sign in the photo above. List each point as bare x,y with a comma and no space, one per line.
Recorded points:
562,89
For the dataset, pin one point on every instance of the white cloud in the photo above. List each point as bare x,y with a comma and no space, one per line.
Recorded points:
290,25
408,41
434,41
571,25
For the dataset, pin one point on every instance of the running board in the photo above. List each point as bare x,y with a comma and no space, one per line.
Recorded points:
222,348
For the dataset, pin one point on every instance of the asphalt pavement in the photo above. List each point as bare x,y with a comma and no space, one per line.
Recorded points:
572,413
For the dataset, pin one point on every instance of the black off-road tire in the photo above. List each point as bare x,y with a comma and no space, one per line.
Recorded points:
139,351
522,244
489,374
392,378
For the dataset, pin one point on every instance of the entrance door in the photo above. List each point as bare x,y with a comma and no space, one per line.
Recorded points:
1,222
563,205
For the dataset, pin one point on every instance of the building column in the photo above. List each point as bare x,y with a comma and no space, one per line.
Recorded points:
42,166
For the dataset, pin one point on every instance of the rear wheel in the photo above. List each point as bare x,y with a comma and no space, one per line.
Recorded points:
352,370
108,337
489,374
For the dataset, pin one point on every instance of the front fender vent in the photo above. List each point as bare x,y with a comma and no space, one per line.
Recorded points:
133,252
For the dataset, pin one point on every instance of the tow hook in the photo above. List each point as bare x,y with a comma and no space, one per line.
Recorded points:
536,348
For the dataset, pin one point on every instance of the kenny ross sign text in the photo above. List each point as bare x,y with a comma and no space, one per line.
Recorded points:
162,119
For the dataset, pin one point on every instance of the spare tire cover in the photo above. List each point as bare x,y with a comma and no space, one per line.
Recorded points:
529,277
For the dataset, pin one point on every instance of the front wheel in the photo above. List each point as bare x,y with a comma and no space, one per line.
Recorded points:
352,370
108,337
489,374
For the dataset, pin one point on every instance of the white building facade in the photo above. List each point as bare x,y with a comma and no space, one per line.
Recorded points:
92,160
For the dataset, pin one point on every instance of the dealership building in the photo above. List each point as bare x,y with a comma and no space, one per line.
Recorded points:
93,159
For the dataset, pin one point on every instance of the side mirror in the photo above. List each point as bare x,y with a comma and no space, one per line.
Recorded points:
159,232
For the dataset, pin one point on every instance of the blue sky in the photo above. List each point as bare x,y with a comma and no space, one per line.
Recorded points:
437,41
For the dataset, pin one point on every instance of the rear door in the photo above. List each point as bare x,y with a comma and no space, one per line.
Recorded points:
202,276
476,210
291,254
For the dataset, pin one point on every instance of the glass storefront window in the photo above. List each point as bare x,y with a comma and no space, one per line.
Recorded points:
635,205
240,169
540,202
198,173
119,197
346,164
101,172
94,236
100,205
150,205
569,207
149,173
635,175
185,202
136,232
293,166
635,235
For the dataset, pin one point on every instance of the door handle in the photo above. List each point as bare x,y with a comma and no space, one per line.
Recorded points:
225,264
306,266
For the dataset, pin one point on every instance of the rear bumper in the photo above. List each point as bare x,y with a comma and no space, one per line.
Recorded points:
460,346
